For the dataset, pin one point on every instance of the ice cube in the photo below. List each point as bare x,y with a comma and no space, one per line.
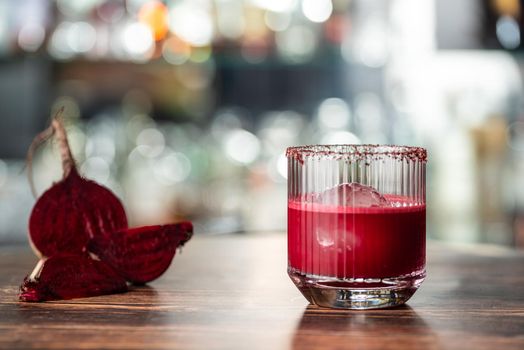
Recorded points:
325,238
351,195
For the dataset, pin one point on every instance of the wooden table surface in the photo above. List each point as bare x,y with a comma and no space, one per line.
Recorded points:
232,292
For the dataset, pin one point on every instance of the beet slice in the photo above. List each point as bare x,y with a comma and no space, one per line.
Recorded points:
74,209
68,276
141,254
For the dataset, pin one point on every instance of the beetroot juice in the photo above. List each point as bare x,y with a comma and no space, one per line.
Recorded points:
357,243
357,224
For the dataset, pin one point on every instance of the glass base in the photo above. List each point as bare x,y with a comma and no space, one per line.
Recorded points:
359,293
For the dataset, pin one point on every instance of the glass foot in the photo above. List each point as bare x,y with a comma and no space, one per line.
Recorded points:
359,293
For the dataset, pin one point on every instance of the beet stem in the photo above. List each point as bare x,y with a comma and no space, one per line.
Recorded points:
65,153
68,162
37,141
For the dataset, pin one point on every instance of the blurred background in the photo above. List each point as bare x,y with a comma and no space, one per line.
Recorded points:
185,107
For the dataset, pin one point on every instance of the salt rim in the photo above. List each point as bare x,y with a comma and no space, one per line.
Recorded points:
358,152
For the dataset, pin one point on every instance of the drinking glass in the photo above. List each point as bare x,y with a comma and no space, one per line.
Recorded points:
357,224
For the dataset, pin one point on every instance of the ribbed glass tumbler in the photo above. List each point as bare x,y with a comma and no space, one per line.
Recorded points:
357,224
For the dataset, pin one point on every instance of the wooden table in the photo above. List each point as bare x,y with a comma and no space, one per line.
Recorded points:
232,292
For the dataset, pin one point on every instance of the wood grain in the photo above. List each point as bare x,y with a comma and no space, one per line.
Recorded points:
232,292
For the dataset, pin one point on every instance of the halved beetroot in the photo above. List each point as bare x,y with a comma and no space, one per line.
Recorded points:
77,217
74,209
68,276
141,254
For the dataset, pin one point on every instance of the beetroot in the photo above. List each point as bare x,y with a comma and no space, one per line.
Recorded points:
76,219
141,254
67,276
74,209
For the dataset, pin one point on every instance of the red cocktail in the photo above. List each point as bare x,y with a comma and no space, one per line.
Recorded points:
346,242
350,244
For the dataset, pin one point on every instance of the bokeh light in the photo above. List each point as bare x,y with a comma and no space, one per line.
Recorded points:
58,46
176,51
515,132
191,23
138,41
317,11
133,6
297,44
77,140
276,5
282,165
200,54
277,21
70,104
4,31
154,14
150,143
101,146
508,32
230,20
76,9
172,168
81,37
277,168
225,121
111,11
280,129
369,46
3,172
242,146
370,117
96,168
339,138
334,113
31,37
